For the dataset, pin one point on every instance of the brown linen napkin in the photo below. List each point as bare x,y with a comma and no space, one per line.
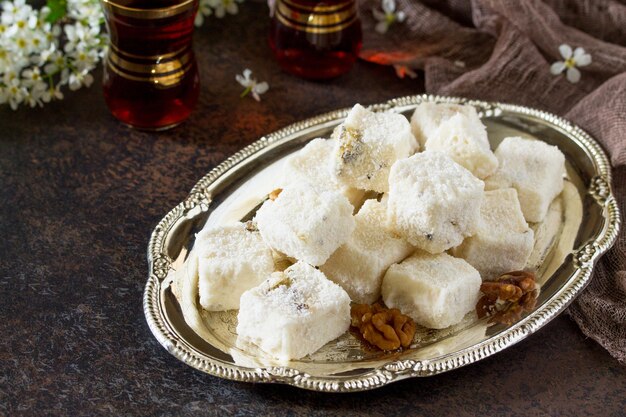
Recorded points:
502,50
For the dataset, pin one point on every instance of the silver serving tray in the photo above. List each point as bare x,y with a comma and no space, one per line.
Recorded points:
582,224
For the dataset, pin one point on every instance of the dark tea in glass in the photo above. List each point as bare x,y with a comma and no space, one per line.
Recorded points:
150,73
315,39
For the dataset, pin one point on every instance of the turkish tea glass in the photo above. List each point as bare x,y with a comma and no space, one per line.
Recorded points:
315,39
150,73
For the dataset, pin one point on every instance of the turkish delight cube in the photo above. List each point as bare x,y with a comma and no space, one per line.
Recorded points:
436,291
360,263
313,164
306,223
231,260
465,141
293,313
433,201
534,168
503,241
428,116
367,144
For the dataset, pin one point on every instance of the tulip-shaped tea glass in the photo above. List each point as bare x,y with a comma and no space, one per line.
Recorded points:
316,39
150,73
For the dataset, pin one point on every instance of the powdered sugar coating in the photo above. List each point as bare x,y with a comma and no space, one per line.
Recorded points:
428,116
313,164
465,141
534,168
503,241
368,144
434,290
306,223
360,263
433,201
293,313
231,260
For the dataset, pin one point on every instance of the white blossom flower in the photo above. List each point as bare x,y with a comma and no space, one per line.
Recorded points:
84,60
32,78
572,59
251,84
55,63
222,7
204,10
78,79
9,75
52,93
14,93
45,55
15,11
33,97
388,16
219,8
52,34
79,37
86,11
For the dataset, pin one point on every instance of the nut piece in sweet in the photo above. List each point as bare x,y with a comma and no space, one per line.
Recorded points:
507,297
351,147
251,226
274,194
282,262
387,329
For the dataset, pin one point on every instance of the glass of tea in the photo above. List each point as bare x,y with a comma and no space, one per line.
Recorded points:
315,39
150,73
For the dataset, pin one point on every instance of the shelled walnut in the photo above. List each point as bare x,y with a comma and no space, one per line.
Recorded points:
387,329
507,297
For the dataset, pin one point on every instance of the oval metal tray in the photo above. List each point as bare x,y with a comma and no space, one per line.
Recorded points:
582,224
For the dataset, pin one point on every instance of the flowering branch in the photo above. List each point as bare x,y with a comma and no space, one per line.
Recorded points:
43,50
218,7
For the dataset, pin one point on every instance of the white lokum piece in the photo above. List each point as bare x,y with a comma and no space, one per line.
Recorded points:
367,145
433,201
231,260
313,164
434,290
360,263
534,168
428,116
293,313
464,139
306,223
503,241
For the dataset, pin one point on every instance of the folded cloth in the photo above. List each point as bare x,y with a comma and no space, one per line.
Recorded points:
504,50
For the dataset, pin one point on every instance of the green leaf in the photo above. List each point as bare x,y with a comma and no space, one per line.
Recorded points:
58,10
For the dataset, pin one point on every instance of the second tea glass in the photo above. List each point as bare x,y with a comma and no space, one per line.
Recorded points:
316,39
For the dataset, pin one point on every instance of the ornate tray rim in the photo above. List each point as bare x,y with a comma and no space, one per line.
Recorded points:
584,259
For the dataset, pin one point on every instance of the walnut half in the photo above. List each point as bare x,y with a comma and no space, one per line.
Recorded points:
387,329
507,297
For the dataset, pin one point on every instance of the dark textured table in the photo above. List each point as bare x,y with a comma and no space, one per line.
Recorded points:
80,194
